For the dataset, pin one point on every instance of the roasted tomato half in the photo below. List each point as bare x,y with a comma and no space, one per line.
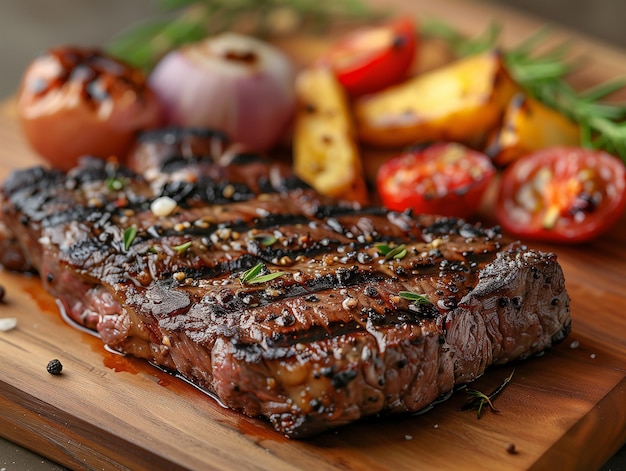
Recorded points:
562,194
74,102
442,178
375,57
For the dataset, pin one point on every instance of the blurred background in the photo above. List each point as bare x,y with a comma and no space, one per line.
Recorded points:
29,26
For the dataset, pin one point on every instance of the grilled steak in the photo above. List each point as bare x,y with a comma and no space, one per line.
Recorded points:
283,303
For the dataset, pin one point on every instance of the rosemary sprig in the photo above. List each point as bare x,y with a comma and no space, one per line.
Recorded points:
185,21
544,77
258,274
478,400
461,45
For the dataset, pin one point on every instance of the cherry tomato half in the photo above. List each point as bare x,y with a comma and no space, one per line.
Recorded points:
447,179
74,102
562,194
375,57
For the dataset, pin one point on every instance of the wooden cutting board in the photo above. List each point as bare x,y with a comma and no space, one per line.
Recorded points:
564,410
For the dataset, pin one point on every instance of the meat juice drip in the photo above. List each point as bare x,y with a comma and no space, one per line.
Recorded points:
32,287
118,362
71,322
170,374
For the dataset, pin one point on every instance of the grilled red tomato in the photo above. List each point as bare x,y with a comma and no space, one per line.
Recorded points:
375,57
562,194
448,179
74,102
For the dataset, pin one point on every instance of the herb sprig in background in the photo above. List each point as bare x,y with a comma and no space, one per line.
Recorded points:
543,75
186,21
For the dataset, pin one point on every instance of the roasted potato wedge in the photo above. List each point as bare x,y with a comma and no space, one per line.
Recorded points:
326,154
462,102
529,125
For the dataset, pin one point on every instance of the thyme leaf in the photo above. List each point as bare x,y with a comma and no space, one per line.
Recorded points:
415,297
182,247
477,399
398,252
129,236
268,277
256,275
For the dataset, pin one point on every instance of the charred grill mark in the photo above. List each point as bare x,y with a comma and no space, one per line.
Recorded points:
335,211
259,298
246,158
206,191
286,338
274,220
281,340
31,180
218,269
174,162
274,255
285,184
447,226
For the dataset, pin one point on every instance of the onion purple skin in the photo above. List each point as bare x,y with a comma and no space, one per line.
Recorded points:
253,102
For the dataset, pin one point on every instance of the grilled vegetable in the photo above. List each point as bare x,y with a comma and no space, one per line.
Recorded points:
326,155
74,101
461,102
234,83
444,178
528,126
372,58
562,194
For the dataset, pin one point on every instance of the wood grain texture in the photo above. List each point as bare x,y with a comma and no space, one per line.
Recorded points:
565,409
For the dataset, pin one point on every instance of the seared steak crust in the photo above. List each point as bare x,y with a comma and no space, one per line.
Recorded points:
332,338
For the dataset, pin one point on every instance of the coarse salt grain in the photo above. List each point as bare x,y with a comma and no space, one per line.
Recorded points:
574,344
408,437
8,323
163,206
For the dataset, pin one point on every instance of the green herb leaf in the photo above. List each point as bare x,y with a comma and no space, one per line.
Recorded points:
251,273
268,277
417,298
255,275
477,399
114,184
265,239
129,236
182,247
397,252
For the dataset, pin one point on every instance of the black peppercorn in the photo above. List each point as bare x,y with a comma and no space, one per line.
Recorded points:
54,367
2,292
510,449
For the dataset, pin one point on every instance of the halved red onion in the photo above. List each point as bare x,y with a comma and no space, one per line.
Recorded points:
236,84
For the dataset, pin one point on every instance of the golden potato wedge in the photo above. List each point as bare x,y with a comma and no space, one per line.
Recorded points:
326,154
529,125
462,102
